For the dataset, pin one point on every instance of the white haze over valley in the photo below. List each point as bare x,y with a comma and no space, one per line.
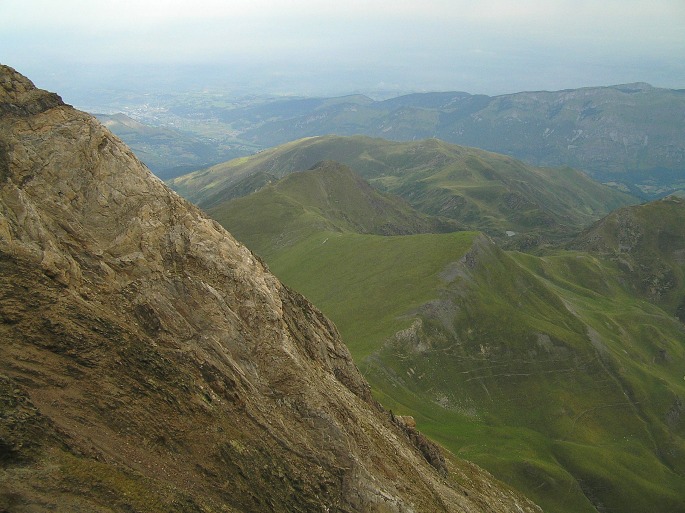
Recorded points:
308,47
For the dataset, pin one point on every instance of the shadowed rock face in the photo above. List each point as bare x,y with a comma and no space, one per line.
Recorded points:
149,362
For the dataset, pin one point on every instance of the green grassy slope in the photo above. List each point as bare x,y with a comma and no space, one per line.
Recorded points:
329,197
329,221
648,242
373,284
480,190
553,377
548,371
570,391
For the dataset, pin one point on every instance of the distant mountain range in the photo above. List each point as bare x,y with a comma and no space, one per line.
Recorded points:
475,189
166,151
561,374
632,135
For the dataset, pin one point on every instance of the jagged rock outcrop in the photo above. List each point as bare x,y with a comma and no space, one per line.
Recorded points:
150,362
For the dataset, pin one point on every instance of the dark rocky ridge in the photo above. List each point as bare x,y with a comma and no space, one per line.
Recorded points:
150,362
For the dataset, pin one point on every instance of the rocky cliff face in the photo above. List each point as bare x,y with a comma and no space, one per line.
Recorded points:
149,362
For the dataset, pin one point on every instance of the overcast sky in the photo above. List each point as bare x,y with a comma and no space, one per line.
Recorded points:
326,47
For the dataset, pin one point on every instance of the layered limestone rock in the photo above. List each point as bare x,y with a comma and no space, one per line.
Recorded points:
150,362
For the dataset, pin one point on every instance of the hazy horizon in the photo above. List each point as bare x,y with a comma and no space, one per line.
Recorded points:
309,48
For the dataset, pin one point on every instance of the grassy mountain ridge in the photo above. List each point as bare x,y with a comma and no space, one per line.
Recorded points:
559,366
478,189
527,357
327,197
328,220
606,131
648,241
548,371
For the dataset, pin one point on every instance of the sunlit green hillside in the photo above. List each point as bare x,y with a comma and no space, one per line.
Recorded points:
480,190
551,372
648,243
